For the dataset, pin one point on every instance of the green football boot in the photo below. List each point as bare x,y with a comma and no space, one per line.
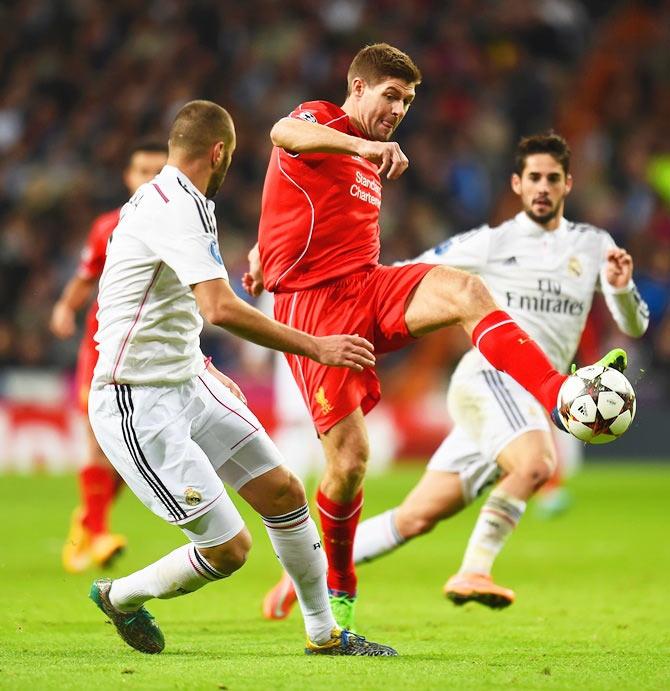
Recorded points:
138,629
343,606
616,359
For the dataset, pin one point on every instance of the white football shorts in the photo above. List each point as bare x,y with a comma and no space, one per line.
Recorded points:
176,445
490,410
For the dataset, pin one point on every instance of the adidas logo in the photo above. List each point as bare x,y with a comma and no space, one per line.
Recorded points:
510,261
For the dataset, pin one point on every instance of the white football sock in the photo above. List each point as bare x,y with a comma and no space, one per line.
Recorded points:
497,519
182,571
376,536
297,544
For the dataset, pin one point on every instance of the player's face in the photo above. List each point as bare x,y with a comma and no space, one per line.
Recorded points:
382,106
143,166
543,187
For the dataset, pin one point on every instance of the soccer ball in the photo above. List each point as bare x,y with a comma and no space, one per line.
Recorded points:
596,404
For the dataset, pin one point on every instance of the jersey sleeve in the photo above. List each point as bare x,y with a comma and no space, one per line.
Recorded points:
318,112
628,309
188,243
468,251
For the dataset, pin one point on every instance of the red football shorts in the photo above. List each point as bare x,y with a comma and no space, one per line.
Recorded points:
371,304
87,358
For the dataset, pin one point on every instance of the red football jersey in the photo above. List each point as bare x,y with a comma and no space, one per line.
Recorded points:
320,212
92,260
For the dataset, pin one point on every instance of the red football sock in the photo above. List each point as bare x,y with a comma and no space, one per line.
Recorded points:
97,487
338,526
510,349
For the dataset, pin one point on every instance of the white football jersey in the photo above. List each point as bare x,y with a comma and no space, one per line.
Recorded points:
544,279
148,320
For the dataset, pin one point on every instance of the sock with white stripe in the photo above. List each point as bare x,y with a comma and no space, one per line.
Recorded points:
297,544
497,519
376,536
181,572
510,349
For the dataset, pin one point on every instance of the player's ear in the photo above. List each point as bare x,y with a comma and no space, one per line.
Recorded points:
568,184
515,182
357,86
217,154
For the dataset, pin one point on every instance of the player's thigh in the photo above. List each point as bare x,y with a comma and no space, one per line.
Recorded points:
459,460
447,296
224,426
145,433
493,410
96,455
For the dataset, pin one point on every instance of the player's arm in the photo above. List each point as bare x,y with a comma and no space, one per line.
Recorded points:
220,306
75,295
627,307
304,137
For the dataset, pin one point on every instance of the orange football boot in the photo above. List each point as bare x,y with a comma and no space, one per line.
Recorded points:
279,601
76,554
478,587
106,547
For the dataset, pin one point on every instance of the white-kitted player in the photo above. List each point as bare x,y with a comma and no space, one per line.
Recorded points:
543,270
173,426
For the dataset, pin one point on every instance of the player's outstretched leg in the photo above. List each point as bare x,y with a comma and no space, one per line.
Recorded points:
137,628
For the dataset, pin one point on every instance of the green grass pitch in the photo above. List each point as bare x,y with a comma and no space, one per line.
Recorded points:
592,609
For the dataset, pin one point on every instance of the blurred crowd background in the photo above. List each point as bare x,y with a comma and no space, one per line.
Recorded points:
82,80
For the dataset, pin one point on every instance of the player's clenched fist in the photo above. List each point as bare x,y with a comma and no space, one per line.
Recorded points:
354,352
252,281
619,267
388,155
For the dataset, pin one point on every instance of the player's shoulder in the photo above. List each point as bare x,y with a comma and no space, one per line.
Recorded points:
317,111
581,228
480,232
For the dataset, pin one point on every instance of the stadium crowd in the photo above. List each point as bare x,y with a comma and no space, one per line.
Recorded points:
81,81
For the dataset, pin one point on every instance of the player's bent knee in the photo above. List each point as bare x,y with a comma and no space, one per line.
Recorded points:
535,472
231,555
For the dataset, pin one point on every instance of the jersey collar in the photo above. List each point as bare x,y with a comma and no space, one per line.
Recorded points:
529,227
173,171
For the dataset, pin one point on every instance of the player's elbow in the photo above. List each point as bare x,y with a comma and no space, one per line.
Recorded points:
218,313
277,133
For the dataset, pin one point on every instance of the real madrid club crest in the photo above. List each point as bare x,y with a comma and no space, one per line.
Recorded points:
192,496
574,266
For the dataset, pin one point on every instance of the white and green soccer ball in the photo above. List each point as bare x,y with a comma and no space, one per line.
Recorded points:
596,404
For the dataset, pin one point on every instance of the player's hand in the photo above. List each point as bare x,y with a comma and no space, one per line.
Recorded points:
388,155
227,382
252,281
353,352
62,322
619,269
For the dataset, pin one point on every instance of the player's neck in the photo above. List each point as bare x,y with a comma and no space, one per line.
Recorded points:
194,170
350,109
